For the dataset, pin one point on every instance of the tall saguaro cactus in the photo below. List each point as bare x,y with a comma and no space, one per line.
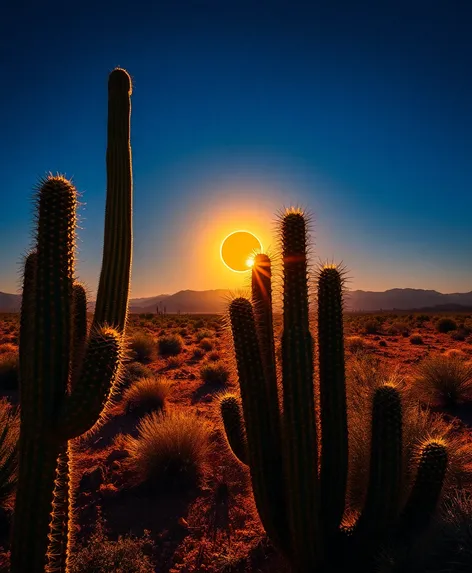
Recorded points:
300,478
66,377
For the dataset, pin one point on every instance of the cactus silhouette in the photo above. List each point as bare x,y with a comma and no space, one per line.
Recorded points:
67,376
299,477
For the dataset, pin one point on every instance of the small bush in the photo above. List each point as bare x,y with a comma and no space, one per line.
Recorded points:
9,370
356,344
199,324
8,348
206,344
142,345
443,381
445,325
399,328
214,373
134,371
174,362
371,327
183,332
416,339
198,354
213,356
170,345
201,334
170,447
458,335
147,395
102,555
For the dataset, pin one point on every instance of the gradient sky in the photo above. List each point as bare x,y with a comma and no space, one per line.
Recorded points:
359,110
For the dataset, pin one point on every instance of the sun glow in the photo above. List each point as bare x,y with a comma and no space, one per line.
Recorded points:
238,250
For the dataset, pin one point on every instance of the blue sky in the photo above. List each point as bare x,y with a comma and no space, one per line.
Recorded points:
360,111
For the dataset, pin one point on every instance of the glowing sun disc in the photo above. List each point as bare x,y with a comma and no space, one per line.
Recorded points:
238,249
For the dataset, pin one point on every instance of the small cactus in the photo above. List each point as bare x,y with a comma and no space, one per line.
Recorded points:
67,376
299,478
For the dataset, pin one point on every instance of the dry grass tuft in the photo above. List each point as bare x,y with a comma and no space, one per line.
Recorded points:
147,395
102,555
215,373
170,345
170,448
443,381
142,346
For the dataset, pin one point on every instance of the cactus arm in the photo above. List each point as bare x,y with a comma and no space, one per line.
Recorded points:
268,484
79,329
113,289
82,408
381,507
299,424
333,406
46,381
426,490
233,423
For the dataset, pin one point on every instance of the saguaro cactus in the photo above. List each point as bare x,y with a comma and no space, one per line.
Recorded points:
299,478
66,377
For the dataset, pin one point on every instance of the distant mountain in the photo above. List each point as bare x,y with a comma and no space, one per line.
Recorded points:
10,302
213,301
185,301
404,299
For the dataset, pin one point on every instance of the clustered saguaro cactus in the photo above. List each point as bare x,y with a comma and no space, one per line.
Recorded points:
67,376
299,477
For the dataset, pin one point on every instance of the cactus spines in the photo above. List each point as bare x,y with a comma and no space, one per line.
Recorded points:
320,532
66,376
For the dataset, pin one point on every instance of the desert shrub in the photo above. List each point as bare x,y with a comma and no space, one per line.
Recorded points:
356,344
399,328
416,339
142,346
442,380
445,325
102,555
214,373
200,323
170,345
213,356
456,352
371,327
183,332
146,395
201,334
8,348
206,344
9,434
133,371
459,335
198,354
170,447
9,370
174,362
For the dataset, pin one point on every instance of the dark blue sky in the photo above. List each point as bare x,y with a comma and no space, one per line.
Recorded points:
360,110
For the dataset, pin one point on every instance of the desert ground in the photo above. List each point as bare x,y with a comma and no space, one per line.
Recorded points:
157,487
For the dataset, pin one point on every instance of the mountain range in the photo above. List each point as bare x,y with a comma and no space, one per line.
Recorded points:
213,301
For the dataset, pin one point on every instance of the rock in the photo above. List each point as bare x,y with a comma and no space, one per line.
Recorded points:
92,479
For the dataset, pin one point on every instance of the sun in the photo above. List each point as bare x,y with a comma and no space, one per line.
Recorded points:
238,250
